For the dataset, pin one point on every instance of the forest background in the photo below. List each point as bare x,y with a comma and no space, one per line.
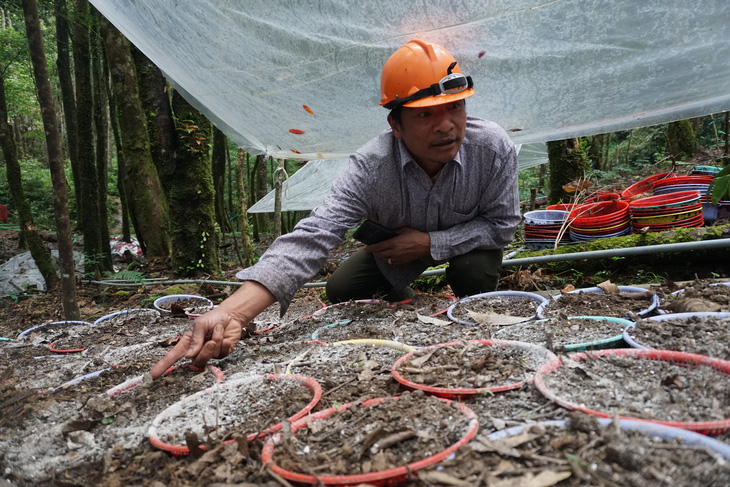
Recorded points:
95,143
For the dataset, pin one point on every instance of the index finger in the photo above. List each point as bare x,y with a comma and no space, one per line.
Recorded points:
171,357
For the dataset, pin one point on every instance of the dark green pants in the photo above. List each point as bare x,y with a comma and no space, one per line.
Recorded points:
359,277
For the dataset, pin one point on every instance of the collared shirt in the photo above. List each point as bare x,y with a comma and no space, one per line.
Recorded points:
472,204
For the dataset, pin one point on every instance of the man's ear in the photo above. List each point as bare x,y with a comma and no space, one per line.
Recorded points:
394,127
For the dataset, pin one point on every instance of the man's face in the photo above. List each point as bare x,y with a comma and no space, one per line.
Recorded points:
433,135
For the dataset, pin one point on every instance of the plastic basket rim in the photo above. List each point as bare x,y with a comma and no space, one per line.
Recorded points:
126,311
646,354
392,344
180,297
522,295
73,322
669,317
181,450
378,477
578,347
596,289
453,393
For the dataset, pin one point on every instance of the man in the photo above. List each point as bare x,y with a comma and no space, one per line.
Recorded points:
446,183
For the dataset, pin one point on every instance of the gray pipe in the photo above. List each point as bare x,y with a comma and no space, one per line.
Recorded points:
594,254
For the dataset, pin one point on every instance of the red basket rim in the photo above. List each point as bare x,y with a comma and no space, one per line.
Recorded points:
665,199
455,393
683,180
375,478
601,212
308,382
706,427
666,210
645,184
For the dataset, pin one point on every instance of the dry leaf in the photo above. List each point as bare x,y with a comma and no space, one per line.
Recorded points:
442,478
608,287
546,478
490,318
417,362
568,288
432,320
692,305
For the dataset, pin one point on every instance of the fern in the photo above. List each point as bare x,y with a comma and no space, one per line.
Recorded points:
133,276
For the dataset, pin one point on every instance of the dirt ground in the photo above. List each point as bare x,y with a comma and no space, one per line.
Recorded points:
93,417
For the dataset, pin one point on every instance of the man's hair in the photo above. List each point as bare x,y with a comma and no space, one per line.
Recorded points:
396,114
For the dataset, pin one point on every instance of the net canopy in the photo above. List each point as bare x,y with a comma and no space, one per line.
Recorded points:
543,70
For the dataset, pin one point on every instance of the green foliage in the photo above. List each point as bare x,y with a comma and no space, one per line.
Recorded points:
720,186
431,284
133,276
38,190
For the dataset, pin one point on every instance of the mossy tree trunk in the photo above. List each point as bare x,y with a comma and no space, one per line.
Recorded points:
63,64
219,178
146,198
247,247
55,159
101,126
261,187
568,161
681,139
88,178
153,91
33,241
195,238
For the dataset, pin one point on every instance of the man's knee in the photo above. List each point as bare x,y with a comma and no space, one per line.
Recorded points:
475,272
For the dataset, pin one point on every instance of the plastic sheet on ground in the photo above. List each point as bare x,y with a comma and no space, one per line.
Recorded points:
20,273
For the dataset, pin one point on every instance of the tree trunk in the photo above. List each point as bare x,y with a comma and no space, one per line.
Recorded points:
194,237
279,178
146,199
218,162
89,179
55,158
568,162
101,125
122,183
63,64
38,250
160,123
260,189
247,247
681,139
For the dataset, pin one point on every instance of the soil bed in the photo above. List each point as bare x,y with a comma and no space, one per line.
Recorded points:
557,333
355,441
641,388
237,408
524,308
469,366
583,453
349,372
702,295
703,335
619,305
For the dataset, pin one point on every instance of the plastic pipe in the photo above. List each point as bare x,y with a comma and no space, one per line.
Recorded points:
594,254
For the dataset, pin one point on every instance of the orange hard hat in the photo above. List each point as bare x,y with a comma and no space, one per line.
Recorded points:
422,74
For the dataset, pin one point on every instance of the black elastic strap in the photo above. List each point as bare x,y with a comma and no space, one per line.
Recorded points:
432,90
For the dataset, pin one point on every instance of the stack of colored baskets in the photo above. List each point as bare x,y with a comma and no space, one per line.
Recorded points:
643,188
600,220
663,212
542,228
603,196
699,183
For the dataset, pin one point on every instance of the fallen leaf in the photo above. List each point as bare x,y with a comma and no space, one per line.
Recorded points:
309,110
692,305
568,288
609,288
546,478
481,53
296,131
441,478
419,361
432,320
490,318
